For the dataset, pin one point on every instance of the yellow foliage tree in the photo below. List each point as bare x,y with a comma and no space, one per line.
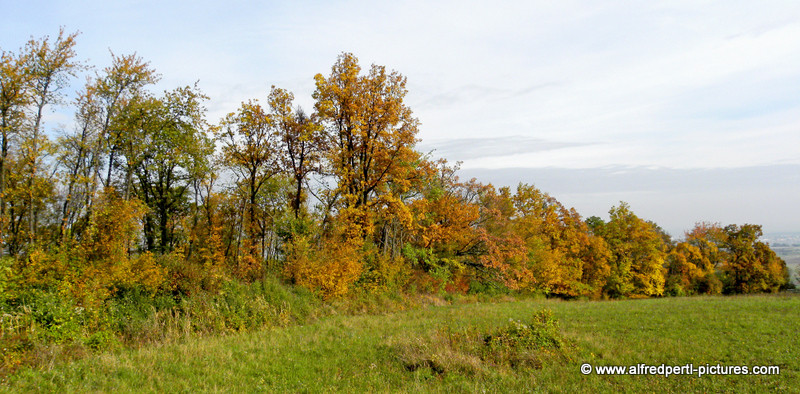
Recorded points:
371,134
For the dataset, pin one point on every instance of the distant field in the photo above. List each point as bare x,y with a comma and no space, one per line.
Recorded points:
794,267
377,353
790,254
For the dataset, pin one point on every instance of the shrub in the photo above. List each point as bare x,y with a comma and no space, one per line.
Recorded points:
382,272
329,270
6,279
541,333
51,318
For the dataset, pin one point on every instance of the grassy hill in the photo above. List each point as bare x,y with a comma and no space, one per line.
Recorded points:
509,346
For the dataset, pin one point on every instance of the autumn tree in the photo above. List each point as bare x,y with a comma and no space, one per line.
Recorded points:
445,212
371,132
708,238
692,265
302,142
49,67
566,259
101,122
690,271
75,160
115,88
502,248
250,149
750,265
14,98
637,254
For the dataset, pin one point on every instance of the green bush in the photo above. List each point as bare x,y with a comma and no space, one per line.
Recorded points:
488,288
541,333
6,280
101,340
54,318
245,306
131,311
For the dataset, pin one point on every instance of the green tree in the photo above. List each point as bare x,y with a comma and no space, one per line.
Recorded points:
637,255
166,148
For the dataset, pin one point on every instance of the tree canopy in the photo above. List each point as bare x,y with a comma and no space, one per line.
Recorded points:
338,199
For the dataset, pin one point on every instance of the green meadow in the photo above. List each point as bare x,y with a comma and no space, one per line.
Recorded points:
531,345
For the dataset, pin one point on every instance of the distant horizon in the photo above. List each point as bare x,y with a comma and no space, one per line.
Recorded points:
657,194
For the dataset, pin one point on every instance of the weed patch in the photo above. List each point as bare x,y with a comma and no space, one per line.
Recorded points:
472,352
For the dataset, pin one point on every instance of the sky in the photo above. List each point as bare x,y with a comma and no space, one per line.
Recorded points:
687,110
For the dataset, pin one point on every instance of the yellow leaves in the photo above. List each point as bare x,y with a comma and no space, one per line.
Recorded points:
395,208
95,269
41,269
638,253
115,225
125,77
146,272
355,223
383,272
370,126
212,255
329,270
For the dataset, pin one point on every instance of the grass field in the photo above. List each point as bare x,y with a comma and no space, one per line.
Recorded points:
378,352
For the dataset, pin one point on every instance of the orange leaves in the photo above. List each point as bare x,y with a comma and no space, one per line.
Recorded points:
444,219
391,209
527,240
714,259
549,246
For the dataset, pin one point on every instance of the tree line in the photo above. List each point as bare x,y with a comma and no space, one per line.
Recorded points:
144,192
